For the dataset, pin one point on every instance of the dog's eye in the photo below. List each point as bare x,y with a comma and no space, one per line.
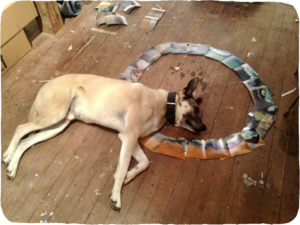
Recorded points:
196,109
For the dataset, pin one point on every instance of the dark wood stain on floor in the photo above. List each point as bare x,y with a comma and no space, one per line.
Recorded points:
68,179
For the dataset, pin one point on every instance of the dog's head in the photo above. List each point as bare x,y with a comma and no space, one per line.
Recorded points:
187,108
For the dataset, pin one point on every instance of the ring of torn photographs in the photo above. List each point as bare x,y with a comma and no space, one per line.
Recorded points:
243,142
107,14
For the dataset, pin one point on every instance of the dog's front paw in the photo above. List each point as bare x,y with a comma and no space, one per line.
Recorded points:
6,157
11,171
113,205
10,175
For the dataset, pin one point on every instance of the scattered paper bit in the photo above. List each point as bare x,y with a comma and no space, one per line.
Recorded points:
262,175
43,214
289,92
36,175
97,192
261,182
70,48
253,39
102,175
72,31
43,81
176,68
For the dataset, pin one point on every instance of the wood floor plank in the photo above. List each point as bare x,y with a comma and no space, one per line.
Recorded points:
290,198
68,177
90,182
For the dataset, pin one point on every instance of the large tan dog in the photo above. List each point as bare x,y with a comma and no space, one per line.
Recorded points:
132,109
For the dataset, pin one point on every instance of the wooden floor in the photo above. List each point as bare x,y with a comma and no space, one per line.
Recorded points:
68,179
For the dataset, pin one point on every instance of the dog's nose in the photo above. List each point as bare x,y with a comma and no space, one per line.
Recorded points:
203,127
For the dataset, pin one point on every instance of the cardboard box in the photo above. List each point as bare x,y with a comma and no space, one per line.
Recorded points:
14,50
14,43
15,16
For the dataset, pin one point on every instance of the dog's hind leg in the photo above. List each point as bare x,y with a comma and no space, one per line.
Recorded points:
47,110
42,135
20,132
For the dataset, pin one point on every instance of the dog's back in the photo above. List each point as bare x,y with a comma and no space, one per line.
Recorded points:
93,99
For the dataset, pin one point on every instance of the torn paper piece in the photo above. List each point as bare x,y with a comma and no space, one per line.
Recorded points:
116,7
264,126
105,7
237,145
152,141
246,72
241,72
163,48
115,20
179,47
172,148
131,74
128,6
248,69
253,122
270,112
151,19
252,138
110,18
157,13
208,149
260,104
258,90
232,62
101,18
254,82
148,23
289,92
260,93
150,56
217,54
197,49
139,63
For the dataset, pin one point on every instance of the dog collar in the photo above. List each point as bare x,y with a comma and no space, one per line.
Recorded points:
171,108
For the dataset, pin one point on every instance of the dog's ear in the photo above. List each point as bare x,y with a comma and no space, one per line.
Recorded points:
191,87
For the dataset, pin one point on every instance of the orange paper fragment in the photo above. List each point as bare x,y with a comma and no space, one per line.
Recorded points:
170,148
